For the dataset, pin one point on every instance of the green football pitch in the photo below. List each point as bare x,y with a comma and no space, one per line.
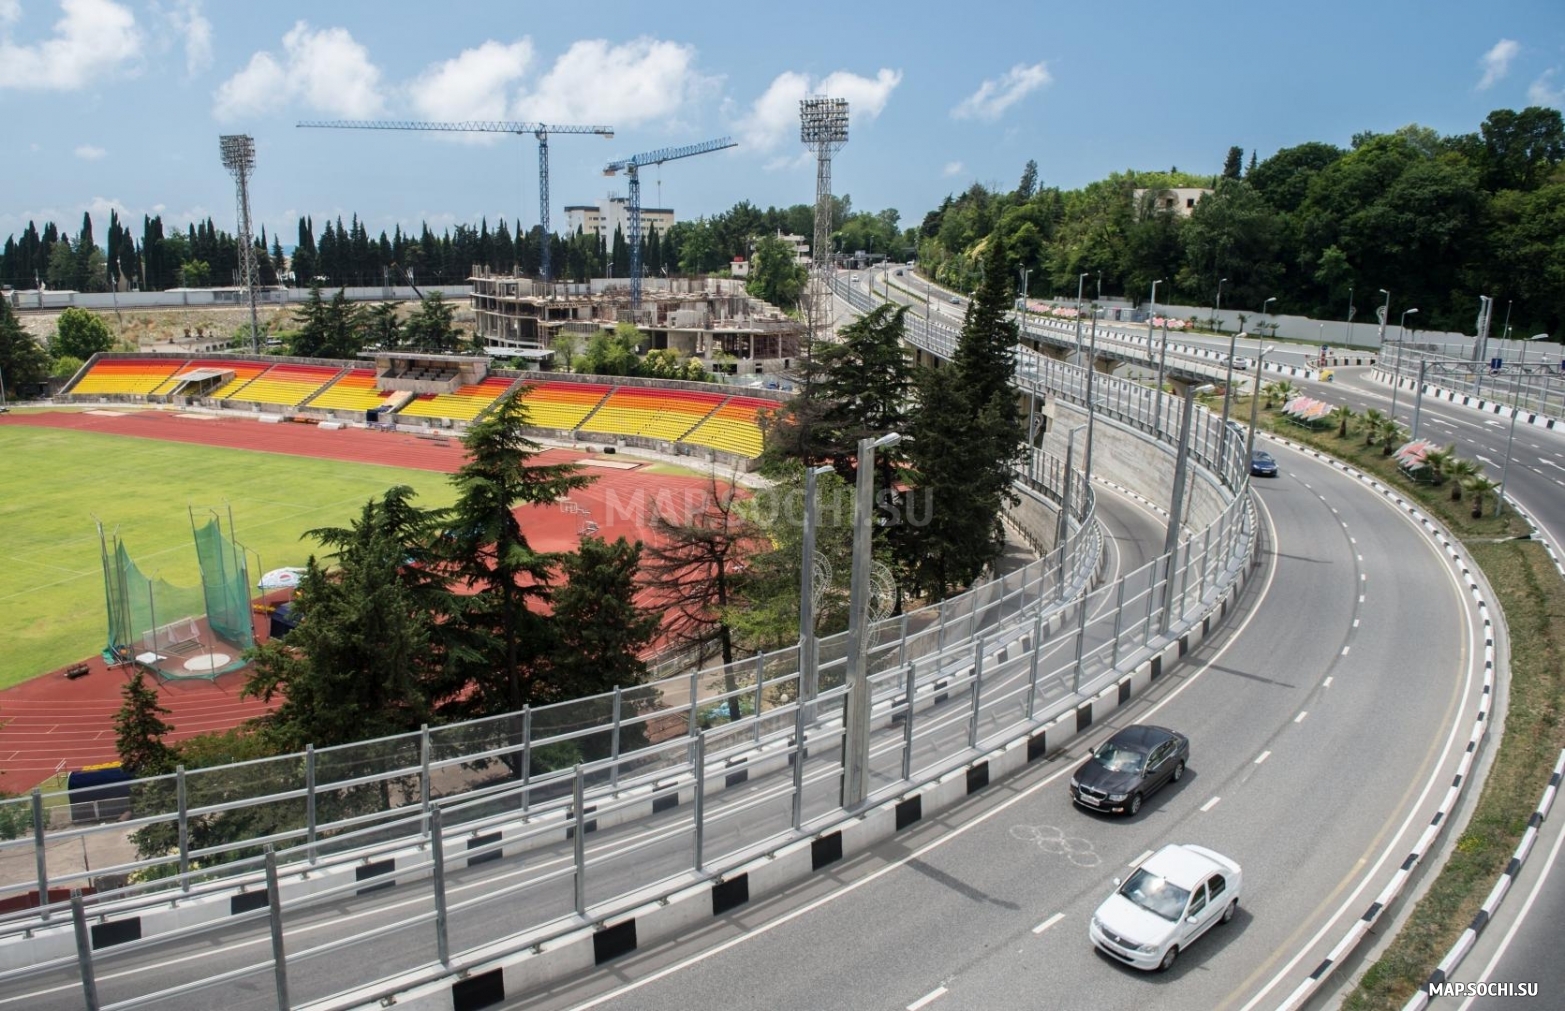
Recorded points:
56,485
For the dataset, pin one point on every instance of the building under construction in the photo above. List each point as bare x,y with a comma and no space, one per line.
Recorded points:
699,317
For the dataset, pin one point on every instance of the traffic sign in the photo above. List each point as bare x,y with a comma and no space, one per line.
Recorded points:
1496,363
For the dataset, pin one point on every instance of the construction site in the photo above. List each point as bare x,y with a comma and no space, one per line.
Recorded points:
712,319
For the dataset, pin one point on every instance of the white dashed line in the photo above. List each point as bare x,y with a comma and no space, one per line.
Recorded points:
1361,598
1210,804
1263,756
1139,859
1353,540
1300,718
1355,623
1363,576
1325,684
1046,924
1345,650
928,998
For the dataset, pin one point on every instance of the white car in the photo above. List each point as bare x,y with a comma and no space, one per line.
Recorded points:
1169,900
1240,364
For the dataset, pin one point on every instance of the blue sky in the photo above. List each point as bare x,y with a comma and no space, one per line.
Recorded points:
120,102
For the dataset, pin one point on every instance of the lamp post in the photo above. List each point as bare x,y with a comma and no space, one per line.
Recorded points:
809,673
1175,508
1396,367
1255,403
1385,317
1092,406
1218,308
856,745
1079,282
1228,382
1062,525
1162,357
1499,493
1522,360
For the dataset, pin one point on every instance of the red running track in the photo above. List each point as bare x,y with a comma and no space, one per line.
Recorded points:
52,723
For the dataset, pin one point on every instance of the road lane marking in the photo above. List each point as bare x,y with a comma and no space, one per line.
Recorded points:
1139,859
1345,650
1361,598
1355,624
1263,756
928,998
1210,804
1326,683
1300,718
1046,924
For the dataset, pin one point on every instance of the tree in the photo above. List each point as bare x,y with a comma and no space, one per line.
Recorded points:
692,565
64,367
139,730
1481,487
486,549
1374,425
22,359
1461,470
1233,165
62,266
1342,414
774,276
600,630
195,274
80,334
1521,149
952,548
430,327
383,327
612,354
865,381
369,637
328,329
1029,184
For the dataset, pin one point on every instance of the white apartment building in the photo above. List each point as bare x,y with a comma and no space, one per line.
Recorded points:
614,212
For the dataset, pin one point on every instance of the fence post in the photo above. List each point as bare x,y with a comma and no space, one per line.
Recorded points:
695,715
1081,637
527,753
699,814
907,722
798,765
578,795
1119,620
184,829
274,907
1032,667
760,681
902,642
309,801
84,952
1206,559
978,673
423,775
437,851
614,742
39,856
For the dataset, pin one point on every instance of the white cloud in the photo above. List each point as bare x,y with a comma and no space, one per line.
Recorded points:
774,117
184,21
87,152
1542,92
474,84
993,97
594,82
953,168
1496,63
92,40
326,70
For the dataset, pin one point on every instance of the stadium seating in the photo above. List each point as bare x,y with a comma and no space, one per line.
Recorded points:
354,391
651,412
464,404
287,385
733,427
243,372
561,405
126,376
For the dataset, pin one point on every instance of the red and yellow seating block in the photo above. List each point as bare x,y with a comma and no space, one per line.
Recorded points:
463,404
561,405
126,376
733,427
287,385
355,391
651,412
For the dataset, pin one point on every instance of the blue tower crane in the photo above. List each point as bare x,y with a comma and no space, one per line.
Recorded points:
632,167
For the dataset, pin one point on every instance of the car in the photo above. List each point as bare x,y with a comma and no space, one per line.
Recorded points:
1241,363
956,299
899,273
1262,464
1129,767
1170,899
855,278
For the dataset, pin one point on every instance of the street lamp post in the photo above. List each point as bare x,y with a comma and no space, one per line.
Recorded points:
856,745
1217,309
1062,526
1499,494
809,671
1255,403
1522,360
1079,282
1228,382
1162,357
1396,367
1176,506
1352,310
1385,317
1092,407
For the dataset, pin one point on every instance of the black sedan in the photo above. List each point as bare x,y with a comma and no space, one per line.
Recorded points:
1262,464
1126,769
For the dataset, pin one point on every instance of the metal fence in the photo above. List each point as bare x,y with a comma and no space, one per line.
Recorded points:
617,794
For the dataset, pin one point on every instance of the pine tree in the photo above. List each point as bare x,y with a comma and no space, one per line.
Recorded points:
22,359
600,630
139,730
1234,163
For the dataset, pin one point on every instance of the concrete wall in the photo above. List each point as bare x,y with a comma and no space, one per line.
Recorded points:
207,297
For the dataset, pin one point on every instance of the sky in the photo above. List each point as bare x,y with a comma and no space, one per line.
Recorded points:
120,103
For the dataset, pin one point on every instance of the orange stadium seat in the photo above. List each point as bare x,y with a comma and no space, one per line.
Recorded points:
243,372
651,412
464,404
561,405
733,427
127,375
287,385
355,391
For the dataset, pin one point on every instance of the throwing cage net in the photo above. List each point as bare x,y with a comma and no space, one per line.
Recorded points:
180,631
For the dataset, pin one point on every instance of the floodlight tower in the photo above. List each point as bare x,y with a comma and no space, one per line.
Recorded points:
239,159
823,128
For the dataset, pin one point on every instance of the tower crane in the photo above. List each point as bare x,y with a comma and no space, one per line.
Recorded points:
539,130
632,167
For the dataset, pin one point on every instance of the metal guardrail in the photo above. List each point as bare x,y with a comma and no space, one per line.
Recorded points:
945,680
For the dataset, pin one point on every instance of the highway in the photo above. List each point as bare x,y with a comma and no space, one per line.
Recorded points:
1319,723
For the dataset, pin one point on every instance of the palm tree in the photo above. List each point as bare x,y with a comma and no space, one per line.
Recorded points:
1373,420
1390,435
1437,461
1480,486
1461,471
1342,414
1280,390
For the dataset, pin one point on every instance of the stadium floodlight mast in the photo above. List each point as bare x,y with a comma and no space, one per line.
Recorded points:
238,151
823,128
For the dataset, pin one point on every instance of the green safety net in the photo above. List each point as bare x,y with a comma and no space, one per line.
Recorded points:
146,614
225,580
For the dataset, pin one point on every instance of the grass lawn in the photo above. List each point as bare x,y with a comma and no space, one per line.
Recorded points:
56,482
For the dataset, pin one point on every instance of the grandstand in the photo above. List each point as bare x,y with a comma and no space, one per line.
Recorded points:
465,404
126,376
354,391
561,405
651,412
192,375
734,427
286,385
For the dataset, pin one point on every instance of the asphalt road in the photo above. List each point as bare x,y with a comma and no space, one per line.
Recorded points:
1316,722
